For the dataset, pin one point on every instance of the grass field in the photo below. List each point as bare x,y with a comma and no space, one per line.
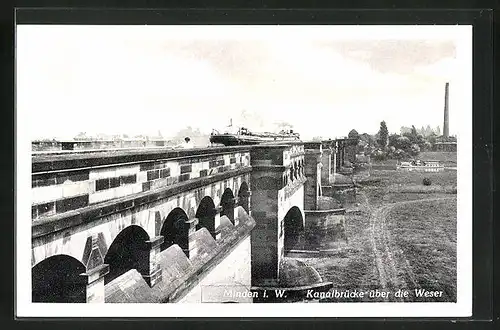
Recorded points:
427,236
398,186
389,178
398,240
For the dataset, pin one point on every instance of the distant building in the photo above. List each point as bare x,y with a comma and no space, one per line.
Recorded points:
443,143
445,146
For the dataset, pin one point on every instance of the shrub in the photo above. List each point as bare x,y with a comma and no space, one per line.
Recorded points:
379,155
426,182
399,154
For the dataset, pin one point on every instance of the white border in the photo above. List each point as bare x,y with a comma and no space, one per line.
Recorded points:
463,307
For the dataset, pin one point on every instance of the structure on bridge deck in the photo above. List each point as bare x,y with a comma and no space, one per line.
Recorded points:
95,144
171,226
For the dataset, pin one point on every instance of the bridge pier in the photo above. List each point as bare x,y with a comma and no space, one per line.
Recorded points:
233,204
216,234
351,150
267,175
313,165
328,165
191,226
277,207
94,279
334,157
340,153
153,274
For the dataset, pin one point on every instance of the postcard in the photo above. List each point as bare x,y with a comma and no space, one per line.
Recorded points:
283,171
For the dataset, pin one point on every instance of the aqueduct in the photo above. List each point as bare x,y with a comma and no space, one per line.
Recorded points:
158,225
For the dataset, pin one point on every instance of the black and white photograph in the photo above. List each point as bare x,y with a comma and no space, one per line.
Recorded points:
272,166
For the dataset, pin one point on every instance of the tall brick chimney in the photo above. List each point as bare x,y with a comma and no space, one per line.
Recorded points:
446,127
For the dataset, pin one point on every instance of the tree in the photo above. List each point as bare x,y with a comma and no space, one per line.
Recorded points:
354,137
413,131
383,135
414,150
393,140
432,138
405,130
361,146
400,142
399,154
369,140
428,131
353,134
421,131
412,135
81,136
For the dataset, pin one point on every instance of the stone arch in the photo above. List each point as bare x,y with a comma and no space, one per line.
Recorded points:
59,279
244,197
293,226
206,215
129,250
227,204
175,230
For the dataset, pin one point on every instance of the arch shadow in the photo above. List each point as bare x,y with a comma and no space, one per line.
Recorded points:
244,197
58,279
129,250
227,203
293,227
175,230
206,215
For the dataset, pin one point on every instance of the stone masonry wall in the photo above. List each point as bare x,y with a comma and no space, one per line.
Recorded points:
313,167
277,179
214,266
73,186
327,164
229,281
72,240
151,184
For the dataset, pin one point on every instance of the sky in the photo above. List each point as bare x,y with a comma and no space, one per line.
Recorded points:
323,80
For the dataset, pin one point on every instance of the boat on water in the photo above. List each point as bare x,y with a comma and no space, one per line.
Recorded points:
233,136
421,165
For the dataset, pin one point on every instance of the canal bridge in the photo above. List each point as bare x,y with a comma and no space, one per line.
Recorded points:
157,225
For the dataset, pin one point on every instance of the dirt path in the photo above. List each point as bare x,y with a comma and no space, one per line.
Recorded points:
394,270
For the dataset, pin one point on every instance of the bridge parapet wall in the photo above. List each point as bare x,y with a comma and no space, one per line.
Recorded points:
67,182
